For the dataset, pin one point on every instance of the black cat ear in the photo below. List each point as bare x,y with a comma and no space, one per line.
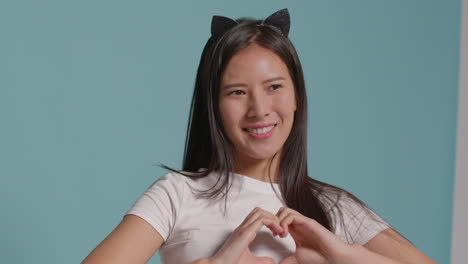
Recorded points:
280,20
220,24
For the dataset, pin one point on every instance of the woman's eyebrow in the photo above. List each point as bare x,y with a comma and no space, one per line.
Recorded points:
227,86
274,79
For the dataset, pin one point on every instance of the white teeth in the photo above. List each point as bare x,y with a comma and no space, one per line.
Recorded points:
260,130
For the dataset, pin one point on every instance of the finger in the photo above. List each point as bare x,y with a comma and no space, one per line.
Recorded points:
253,215
256,225
283,211
289,219
240,239
293,218
257,212
266,260
307,225
281,214
260,212
250,215
289,260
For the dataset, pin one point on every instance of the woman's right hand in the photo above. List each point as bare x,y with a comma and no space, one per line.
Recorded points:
236,249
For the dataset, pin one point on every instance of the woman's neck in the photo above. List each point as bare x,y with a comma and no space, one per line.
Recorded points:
258,168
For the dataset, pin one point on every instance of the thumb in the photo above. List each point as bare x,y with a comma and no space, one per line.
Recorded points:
266,260
289,260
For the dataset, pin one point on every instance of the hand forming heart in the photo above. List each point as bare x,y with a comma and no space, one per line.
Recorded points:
236,249
314,243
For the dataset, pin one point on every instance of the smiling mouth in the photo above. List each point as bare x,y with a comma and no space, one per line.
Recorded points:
260,131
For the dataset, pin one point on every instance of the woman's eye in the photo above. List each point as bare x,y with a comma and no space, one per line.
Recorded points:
276,86
236,92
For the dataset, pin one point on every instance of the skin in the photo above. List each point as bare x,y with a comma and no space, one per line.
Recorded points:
256,88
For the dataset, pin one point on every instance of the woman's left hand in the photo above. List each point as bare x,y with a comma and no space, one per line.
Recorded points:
314,243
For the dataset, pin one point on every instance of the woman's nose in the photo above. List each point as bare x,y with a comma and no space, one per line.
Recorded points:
259,106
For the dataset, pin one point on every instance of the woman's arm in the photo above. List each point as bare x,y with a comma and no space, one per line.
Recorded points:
132,241
391,244
316,244
361,255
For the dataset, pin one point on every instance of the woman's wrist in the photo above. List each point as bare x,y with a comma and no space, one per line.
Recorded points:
347,255
356,253
351,254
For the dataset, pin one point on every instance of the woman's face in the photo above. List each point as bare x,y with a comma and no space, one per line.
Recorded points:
256,103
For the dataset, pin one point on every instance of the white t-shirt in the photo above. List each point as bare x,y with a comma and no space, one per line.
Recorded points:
196,228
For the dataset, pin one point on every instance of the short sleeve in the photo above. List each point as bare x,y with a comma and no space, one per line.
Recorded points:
160,204
360,223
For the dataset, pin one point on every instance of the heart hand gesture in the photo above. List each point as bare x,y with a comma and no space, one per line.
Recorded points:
236,248
314,243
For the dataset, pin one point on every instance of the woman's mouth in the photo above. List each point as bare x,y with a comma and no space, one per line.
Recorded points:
260,133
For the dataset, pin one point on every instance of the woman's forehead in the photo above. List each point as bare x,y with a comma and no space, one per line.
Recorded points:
255,62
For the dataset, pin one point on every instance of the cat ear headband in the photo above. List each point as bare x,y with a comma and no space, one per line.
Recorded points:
278,20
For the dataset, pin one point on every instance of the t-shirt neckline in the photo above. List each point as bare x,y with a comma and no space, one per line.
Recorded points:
247,182
254,184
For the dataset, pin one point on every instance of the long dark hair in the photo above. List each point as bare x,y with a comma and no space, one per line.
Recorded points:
207,146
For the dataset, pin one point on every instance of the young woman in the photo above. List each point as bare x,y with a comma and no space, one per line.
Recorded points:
244,194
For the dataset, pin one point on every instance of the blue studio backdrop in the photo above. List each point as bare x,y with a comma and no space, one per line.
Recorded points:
95,94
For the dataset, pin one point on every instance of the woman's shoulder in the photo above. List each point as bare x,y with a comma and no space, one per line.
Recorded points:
333,197
179,176
353,220
170,177
343,204
191,179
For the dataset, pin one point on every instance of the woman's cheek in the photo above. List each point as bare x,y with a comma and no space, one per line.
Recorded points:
286,102
230,113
